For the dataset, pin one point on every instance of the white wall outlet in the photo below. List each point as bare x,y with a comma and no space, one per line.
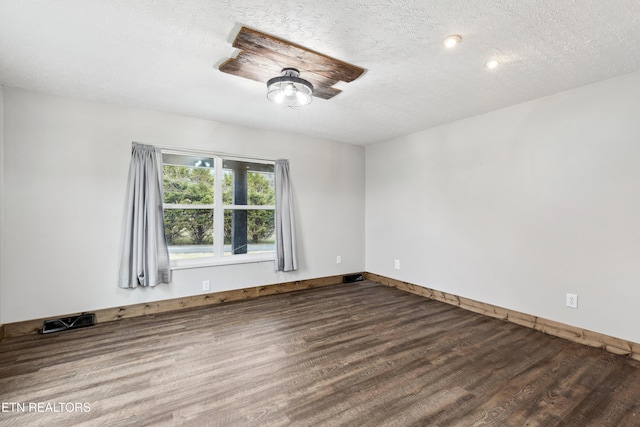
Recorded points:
339,259
396,264
572,300
206,285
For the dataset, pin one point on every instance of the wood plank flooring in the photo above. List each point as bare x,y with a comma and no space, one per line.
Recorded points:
354,355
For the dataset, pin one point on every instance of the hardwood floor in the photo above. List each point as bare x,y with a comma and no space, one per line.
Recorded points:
357,355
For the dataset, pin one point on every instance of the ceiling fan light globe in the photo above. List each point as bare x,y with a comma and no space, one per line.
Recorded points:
289,90
303,98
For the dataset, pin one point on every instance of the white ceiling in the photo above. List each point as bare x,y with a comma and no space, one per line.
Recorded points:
164,55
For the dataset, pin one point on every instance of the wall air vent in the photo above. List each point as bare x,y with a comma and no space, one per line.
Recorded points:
352,278
67,323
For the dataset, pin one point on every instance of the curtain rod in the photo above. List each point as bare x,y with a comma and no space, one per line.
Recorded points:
209,153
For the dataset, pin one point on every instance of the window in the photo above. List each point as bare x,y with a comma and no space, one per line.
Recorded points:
218,209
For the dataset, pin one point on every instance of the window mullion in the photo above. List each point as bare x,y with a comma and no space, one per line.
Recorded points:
218,211
251,207
182,206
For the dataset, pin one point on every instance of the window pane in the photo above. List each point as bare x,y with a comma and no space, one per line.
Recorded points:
227,186
189,232
248,231
188,185
184,160
261,190
247,183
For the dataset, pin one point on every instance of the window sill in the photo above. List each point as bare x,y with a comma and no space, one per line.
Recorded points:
237,259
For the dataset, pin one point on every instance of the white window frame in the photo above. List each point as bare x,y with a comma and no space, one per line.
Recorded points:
218,208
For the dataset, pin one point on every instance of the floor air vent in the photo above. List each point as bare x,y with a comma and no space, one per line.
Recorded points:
352,278
66,323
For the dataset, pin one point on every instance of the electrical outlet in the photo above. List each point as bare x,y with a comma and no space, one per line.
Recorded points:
396,264
572,300
206,285
339,259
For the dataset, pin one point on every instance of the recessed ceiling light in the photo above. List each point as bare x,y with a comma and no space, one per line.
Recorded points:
451,41
492,64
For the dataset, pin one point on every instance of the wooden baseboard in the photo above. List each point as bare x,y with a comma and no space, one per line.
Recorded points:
112,314
1,332
571,333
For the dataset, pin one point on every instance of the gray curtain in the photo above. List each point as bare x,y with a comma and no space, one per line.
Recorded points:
145,256
286,250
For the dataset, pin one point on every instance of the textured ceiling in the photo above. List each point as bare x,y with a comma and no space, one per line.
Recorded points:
164,55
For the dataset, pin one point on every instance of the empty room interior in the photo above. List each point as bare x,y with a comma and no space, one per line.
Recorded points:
390,213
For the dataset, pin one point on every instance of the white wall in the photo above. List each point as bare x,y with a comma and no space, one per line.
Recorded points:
66,165
519,206
1,198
